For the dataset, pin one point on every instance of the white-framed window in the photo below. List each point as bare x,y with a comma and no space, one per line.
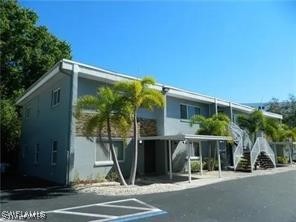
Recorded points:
103,153
187,111
36,153
54,152
55,97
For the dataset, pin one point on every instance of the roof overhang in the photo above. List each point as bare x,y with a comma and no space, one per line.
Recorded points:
98,74
188,137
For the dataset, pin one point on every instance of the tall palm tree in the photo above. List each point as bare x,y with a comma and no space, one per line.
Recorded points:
216,125
139,94
111,112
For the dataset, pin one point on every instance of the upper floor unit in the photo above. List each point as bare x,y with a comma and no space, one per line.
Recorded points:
49,101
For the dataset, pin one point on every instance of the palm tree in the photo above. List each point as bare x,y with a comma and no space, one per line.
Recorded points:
274,130
217,125
139,94
253,123
111,112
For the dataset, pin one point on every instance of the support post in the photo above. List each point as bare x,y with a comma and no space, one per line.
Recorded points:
275,153
231,112
200,157
189,161
290,153
219,159
170,160
216,106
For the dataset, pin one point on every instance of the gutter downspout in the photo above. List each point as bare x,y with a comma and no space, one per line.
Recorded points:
72,122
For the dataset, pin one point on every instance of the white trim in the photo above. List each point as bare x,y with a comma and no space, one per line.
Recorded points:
91,72
110,161
41,81
189,137
187,106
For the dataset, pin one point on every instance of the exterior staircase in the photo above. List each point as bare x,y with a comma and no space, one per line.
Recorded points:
263,161
248,156
244,164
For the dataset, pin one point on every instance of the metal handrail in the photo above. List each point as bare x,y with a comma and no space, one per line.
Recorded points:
243,141
261,145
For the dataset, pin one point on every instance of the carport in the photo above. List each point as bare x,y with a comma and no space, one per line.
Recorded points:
287,145
189,140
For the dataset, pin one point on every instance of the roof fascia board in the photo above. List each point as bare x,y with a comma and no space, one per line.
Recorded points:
42,80
92,72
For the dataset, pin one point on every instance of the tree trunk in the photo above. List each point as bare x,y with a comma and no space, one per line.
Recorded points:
135,157
114,157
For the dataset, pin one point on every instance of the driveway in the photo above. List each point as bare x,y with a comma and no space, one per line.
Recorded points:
262,198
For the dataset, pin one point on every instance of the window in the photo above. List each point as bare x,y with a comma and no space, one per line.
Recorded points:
187,111
36,156
54,153
55,97
103,153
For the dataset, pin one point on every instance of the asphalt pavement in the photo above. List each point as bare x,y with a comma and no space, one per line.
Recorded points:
270,198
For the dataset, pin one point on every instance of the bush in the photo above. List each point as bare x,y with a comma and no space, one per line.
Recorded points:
112,176
195,166
282,160
213,164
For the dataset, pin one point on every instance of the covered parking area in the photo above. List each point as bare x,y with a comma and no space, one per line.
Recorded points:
284,149
189,141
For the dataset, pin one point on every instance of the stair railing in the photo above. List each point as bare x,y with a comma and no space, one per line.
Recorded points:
261,145
255,152
242,139
238,154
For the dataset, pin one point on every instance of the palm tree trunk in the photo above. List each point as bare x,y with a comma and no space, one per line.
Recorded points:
135,159
114,157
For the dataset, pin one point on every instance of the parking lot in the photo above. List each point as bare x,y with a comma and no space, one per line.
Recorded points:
118,210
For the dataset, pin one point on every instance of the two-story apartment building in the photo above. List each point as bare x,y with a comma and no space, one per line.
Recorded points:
54,148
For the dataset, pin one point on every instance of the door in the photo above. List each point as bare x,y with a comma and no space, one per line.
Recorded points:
149,157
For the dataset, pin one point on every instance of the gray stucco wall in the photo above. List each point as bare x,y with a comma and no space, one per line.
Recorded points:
173,123
84,167
45,125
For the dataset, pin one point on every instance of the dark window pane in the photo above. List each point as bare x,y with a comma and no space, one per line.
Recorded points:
192,110
183,112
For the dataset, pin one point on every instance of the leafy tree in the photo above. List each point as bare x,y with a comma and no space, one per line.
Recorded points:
139,94
253,123
256,122
27,51
111,112
217,125
287,108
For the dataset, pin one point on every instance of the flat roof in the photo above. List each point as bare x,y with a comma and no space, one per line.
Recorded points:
188,137
94,73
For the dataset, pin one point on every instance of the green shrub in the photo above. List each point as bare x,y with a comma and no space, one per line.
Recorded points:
112,176
213,164
282,160
195,165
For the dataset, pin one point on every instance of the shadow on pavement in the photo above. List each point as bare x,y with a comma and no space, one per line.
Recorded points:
19,187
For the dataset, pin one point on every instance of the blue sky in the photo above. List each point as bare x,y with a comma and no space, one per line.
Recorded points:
240,51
